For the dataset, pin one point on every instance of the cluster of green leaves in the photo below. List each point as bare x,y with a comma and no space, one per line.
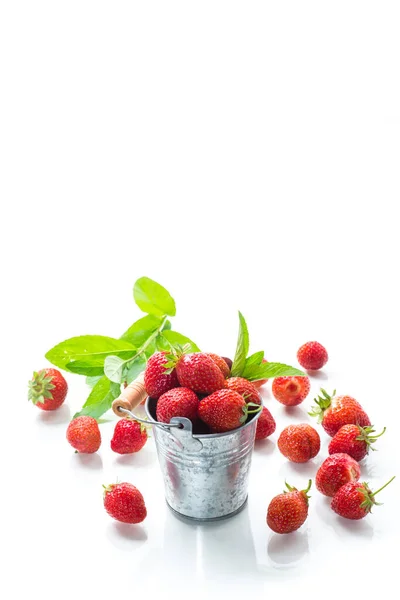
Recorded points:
109,362
251,367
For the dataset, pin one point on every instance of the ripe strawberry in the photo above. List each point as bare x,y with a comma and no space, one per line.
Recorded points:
354,440
129,436
265,424
312,356
290,391
260,382
124,502
225,410
229,362
355,500
47,389
83,434
288,511
221,363
157,380
335,471
299,443
245,388
335,411
179,402
198,372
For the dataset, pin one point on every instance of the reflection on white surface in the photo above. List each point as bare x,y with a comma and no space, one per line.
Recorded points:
287,550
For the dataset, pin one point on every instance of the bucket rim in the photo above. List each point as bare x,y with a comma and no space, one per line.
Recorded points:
208,435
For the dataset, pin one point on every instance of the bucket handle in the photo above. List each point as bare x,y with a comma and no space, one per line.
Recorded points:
157,423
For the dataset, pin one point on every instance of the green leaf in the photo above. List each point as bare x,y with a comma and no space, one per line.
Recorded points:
174,338
113,367
81,367
100,398
252,361
271,369
140,331
153,298
242,348
88,350
91,381
134,369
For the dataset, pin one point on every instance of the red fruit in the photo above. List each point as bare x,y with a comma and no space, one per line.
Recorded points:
221,363
335,411
265,425
299,443
312,356
225,410
355,500
229,362
334,472
290,391
288,511
198,372
354,440
83,434
245,388
129,436
124,502
157,380
260,382
47,389
179,402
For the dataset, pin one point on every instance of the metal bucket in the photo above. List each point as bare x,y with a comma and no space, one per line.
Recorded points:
205,476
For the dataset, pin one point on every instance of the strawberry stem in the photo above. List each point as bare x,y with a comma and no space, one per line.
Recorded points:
383,487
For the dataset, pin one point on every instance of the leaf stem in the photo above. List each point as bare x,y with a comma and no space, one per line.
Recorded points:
380,489
147,342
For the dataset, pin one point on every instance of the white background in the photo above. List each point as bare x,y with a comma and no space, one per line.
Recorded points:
246,155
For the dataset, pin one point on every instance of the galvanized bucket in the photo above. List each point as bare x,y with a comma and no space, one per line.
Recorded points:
205,476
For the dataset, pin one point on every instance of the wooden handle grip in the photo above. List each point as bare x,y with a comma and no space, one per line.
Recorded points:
131,396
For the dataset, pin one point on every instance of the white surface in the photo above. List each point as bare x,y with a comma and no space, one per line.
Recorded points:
246,156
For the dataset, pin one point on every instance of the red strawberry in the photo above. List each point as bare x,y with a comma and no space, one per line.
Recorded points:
354,440
221,363
47,389
335,411
312,356
179,402
260,382
225,410
198,372
83,434
299,443
290,391
124,502
355,500
288,511
157,380
245,388
265,424
334,472
129,436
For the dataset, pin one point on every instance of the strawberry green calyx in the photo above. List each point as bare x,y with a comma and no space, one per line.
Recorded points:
323,402
40,387
290,488
108,488
369,496
367,435
177,351
246,412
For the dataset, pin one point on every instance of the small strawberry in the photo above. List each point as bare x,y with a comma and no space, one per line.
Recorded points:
335,471
47,389
129,436
288,511
260,382
245,388
335,411
196,371
229,362
265,424
124,502
157,380
225,410
312,356
179,402
299,443
221,363
83,434
355,500
290,391
354,440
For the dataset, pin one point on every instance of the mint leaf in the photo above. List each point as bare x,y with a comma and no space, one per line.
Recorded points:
174,338
113,366
138,333
253,360
153,298
89,351
242,348
136,367
100,398
271,369
91,381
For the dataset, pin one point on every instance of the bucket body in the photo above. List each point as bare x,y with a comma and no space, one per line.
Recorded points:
205,476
